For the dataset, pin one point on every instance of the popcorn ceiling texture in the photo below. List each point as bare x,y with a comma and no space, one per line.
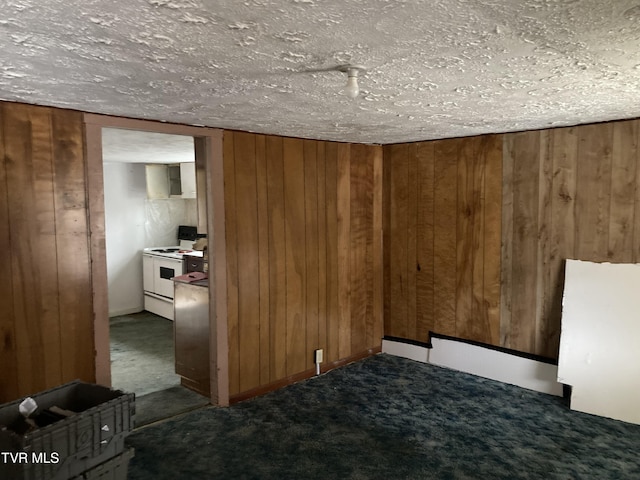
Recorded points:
435,69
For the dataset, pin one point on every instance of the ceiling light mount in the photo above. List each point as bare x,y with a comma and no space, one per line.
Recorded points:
351,89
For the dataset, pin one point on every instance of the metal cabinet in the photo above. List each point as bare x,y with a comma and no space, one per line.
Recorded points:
191,335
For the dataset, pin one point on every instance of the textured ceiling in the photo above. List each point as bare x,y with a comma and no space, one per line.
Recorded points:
435,69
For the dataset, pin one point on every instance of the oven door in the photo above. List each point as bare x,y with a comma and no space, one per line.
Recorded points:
164,269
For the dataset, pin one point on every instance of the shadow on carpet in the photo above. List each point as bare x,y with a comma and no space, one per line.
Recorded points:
389,418
166,404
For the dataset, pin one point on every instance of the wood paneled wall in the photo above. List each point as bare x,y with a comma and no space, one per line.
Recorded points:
46,318
442,214
550,194
304,242
304,270
569,193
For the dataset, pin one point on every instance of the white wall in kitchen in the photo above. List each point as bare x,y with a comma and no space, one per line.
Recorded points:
163,216
133,223
125,196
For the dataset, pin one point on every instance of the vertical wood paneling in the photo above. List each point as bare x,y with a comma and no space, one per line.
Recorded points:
295,247
525,232
397,245
623,189
331,195
246,205
344,250
444,226
322,245
46,324
46,207
594,191
277,258
477,326
301,261
425,318
232,263
564,152
465,216
27,289
508,210
263,258
411,239
8,347
311,236
585,203
508,155
375,329
444,242
70,199
387,174
492,235
361,247
544,299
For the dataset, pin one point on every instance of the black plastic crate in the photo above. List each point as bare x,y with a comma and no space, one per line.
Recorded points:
70,446
114,469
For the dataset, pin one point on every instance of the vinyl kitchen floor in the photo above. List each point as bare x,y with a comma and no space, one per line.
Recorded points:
142,362
142,359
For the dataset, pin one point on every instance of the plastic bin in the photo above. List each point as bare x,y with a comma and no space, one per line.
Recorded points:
114,469
73,445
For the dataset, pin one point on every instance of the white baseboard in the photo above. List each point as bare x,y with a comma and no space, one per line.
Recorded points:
483,362
405,350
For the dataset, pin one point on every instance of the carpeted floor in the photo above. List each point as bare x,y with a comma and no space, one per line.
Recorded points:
389,418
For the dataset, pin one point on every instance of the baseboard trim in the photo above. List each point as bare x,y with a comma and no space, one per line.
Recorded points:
510,351
538,374
324,368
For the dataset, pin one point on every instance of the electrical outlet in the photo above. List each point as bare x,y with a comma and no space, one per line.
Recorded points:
319,355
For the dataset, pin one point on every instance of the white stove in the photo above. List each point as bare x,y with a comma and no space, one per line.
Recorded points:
159,266
172,252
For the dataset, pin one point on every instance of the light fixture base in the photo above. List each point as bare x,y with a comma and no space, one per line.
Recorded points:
345,68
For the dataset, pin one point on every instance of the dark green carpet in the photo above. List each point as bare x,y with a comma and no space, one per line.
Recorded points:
389,418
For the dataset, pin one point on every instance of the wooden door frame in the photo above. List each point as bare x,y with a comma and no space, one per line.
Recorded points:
208,146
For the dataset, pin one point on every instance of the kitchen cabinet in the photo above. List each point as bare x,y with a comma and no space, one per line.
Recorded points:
171,180
157,181
191,335
188,179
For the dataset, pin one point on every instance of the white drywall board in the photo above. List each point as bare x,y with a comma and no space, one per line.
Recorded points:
405,350
481,361
496,364
600,339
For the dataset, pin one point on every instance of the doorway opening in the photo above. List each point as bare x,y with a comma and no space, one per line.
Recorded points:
118,243
151,217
